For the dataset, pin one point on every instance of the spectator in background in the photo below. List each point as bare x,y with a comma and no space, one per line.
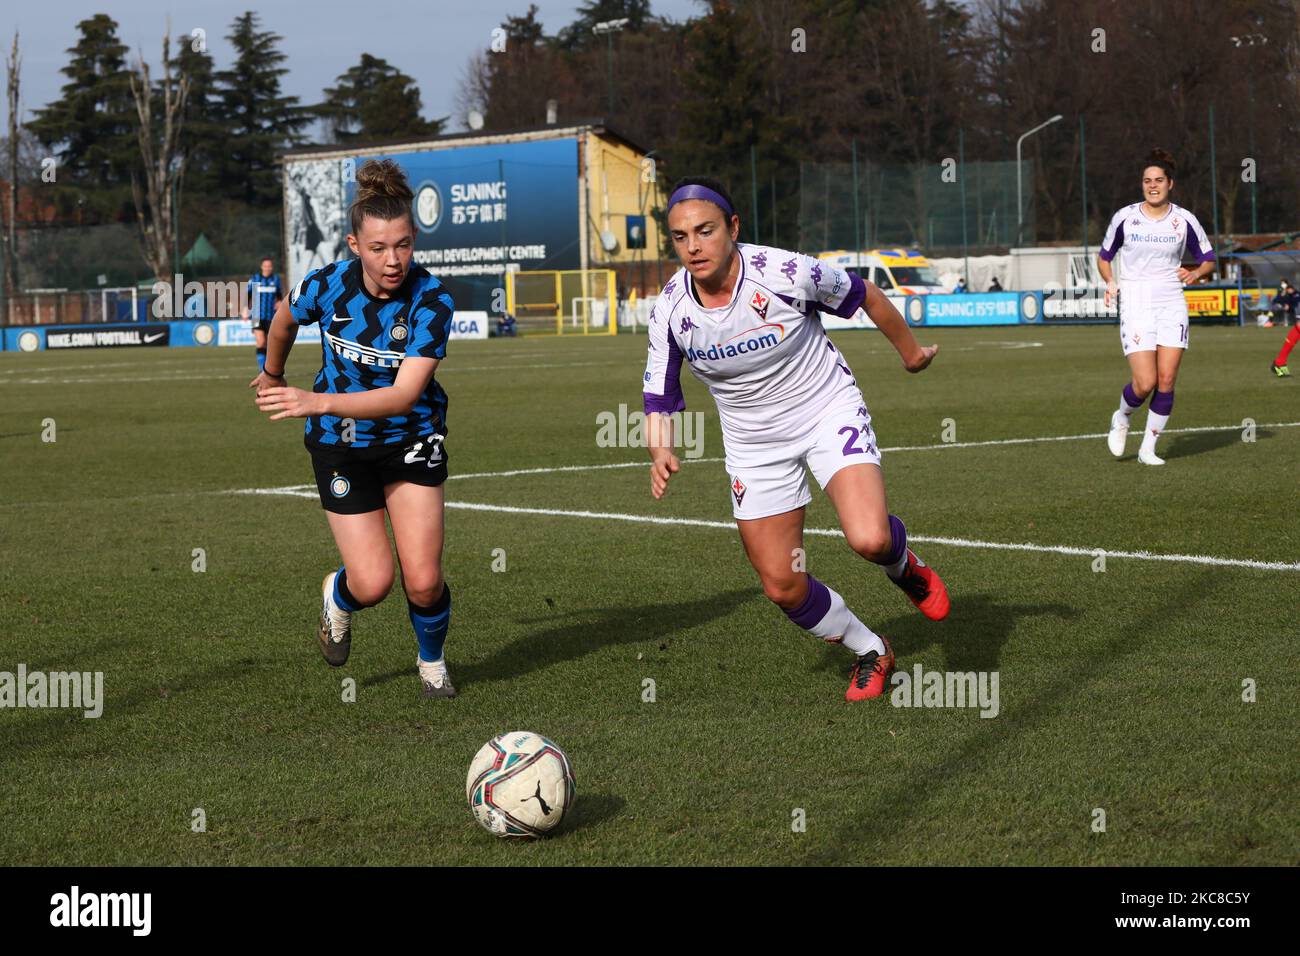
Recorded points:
995,285
960,287
1284,304
506,324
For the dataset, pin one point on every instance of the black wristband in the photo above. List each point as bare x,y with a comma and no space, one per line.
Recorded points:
265,371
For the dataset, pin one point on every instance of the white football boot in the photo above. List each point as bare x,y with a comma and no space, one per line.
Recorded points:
1118,433
434,677
1148,456
335,632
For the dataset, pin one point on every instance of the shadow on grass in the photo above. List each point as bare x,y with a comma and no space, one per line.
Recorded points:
1186,445
581,632
980,748
591,809
56,726
972,635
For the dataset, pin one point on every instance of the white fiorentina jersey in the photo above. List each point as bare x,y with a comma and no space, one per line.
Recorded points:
764,356
1150,251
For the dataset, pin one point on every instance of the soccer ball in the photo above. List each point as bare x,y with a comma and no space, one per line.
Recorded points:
519,785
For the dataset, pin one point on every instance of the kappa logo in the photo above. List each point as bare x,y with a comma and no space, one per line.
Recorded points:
737,489
759,303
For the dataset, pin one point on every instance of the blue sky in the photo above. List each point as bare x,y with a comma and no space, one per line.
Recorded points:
432,42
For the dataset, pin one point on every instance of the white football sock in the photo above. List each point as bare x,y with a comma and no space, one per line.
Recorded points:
824,614
1155,425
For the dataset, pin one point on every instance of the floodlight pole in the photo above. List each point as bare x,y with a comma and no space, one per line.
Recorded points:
609,28
1020,199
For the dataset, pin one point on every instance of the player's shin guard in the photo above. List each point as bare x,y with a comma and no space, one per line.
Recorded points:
431,623
1129,400
824,614
895,562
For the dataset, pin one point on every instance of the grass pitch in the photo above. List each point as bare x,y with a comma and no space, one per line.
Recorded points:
1120,690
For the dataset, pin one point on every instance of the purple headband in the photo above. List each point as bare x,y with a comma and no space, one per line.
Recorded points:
700,192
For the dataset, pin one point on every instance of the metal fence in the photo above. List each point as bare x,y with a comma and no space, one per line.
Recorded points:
215,239
934,206
74,307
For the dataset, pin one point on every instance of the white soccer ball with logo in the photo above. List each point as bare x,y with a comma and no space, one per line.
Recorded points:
520,785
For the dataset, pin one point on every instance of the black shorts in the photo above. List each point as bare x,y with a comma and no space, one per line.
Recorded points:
351,480
264,325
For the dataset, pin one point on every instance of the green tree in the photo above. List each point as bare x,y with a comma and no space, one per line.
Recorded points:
258,120
725,111
374,100
578,35
91,127
525,31
203,140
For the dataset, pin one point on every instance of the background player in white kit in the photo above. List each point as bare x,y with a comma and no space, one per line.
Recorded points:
1150,239
746,319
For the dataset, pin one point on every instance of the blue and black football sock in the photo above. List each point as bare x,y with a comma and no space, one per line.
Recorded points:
430,625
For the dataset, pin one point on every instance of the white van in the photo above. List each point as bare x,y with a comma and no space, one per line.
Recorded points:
897,272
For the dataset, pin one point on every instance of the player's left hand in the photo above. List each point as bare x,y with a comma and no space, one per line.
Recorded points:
287,402
1185,276
921,359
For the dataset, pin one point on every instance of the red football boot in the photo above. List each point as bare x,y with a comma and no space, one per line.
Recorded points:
870,671
923,587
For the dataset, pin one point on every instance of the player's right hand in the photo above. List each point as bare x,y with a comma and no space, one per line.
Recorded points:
661,469
922,360
266,381
1112,294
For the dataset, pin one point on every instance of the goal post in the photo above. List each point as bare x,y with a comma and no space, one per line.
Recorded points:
563,301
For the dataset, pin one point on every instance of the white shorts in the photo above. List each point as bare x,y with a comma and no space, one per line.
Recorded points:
770,478
1141,329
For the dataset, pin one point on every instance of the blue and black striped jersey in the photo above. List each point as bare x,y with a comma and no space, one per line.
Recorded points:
262,293
363,341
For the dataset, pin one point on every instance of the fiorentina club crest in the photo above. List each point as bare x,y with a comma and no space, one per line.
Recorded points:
737,489
1175,222
759,303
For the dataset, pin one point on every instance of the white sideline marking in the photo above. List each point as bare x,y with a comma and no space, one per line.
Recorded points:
300,491
561,468
183,377
969,444
1048,438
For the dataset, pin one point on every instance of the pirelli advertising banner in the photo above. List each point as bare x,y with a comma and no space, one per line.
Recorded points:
1205,301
